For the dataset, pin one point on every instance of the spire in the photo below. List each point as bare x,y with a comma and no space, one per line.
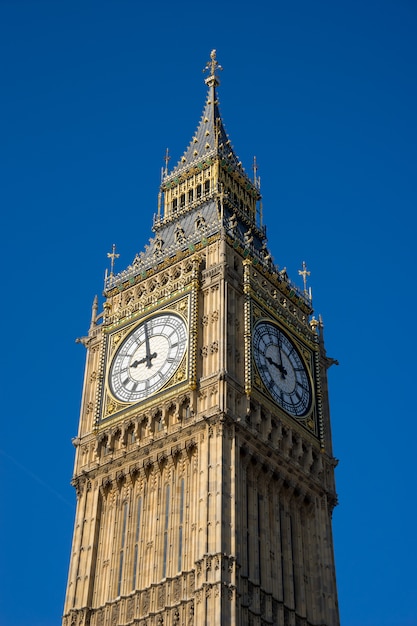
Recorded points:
210,138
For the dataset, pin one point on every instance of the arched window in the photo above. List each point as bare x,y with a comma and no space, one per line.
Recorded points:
166,529
200,222
136,545
181,523
105,447
122,548
131,437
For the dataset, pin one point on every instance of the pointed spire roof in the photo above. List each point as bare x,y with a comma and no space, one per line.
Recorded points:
210,138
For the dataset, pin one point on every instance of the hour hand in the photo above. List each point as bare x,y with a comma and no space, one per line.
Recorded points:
272,362
279,366
144,360
136,363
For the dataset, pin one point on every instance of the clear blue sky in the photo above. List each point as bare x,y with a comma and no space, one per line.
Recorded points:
324,94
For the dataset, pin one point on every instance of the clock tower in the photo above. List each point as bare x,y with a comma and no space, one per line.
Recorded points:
204,469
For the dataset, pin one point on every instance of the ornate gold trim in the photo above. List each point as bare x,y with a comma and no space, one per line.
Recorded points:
309,352
182,306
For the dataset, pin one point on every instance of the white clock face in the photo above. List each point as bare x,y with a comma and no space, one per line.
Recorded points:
282,369
148,357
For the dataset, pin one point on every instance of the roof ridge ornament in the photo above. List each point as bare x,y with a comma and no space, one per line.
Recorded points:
212,67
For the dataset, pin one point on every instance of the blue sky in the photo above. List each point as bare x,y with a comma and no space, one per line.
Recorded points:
324,94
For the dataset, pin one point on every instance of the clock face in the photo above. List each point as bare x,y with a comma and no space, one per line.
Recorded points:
282,369
148,357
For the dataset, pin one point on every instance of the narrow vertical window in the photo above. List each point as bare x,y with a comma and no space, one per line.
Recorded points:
136,547
181,520
260,498
122,549
164,561
248,537
293,558
206,187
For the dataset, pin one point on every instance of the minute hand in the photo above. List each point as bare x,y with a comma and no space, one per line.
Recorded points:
148,355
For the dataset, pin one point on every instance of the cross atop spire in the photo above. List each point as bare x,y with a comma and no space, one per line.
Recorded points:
304,273
212,66
112,255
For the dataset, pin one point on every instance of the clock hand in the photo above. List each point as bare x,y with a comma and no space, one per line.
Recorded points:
144,360
268,358
149,356
279,366
279,349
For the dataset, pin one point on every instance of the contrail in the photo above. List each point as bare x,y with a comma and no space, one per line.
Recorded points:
36,478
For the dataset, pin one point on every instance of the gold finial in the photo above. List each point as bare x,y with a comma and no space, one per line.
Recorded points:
112,255
304,273
212,66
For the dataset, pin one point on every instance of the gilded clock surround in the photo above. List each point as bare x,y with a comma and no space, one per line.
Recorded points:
281,370
111,403
172,285
205,503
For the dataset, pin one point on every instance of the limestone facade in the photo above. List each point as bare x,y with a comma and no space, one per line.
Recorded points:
204,503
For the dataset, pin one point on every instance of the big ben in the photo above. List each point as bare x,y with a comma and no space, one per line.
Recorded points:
204,469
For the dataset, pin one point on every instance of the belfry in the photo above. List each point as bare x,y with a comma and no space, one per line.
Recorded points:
204,469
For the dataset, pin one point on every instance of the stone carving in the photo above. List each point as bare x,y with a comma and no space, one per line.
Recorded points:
161,596
177,590
145,601
130,608
191,614
115,615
